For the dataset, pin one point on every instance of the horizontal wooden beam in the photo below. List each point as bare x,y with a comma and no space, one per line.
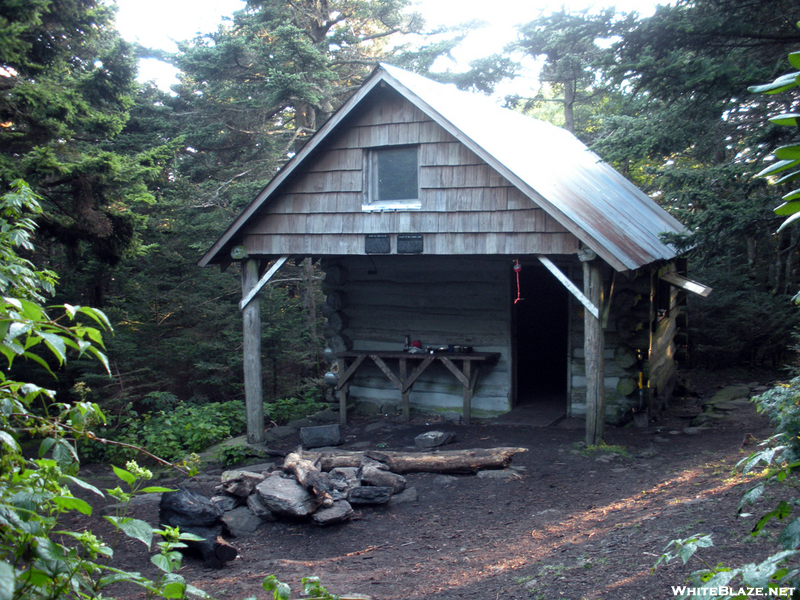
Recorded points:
569,285
263,281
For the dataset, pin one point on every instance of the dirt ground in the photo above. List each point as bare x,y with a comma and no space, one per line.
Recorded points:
568,524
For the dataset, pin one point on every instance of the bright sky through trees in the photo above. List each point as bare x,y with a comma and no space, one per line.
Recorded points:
159,23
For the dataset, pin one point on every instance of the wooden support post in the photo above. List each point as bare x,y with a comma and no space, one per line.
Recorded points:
593,346
251,316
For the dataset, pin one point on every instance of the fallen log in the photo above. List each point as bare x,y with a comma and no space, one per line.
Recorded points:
442,461
310,477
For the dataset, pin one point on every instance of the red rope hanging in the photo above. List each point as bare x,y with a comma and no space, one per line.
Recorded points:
517,269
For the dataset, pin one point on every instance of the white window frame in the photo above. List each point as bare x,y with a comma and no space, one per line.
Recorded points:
371,201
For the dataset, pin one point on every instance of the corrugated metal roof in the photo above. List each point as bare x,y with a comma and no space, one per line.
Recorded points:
555,169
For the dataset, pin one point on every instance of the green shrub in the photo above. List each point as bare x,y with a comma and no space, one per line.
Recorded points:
782,405
172,434
229,456
286,410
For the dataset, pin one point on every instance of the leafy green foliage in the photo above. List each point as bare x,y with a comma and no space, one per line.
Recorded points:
787,157
171,434
777,461
311,588
68,84
229,456
782,405
35,493
18,276
285,410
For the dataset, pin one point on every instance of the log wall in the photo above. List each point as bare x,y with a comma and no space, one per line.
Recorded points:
374,302
466,206
637,339
662,372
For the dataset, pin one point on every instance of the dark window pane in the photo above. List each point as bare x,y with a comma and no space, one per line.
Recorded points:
397,174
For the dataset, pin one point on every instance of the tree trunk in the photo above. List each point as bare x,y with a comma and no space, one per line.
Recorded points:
569,105
452,461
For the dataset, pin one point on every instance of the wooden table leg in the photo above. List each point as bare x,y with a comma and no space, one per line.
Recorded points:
405,391
343,392
467,392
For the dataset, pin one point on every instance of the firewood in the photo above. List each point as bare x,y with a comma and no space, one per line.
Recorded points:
310,477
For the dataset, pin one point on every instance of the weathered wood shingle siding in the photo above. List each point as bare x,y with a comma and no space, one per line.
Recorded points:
466,206
439,301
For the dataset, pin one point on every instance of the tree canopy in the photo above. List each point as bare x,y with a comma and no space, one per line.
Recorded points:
669,107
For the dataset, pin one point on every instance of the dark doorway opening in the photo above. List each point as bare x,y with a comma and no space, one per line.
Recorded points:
541,322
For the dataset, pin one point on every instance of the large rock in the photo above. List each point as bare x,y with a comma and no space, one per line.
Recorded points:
339,512
433,439
226,503
286,497
369,494
326,416
241,522
183,508
198,515
279,433
407,495
731,392
240,483
257,507
320,436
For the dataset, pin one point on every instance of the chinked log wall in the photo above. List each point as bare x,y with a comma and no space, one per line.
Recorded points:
634,329
437,300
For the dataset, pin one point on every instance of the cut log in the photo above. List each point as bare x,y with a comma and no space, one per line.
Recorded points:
214,550
196,514
626,386
337,322
450,461
310,477
625,356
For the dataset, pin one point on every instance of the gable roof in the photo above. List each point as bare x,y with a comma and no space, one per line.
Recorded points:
547,163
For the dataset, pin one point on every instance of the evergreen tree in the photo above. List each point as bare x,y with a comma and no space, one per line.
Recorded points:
67,80
677,119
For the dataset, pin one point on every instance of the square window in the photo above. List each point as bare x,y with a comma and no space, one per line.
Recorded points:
392,179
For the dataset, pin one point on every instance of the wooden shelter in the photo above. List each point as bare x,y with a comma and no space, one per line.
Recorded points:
534,271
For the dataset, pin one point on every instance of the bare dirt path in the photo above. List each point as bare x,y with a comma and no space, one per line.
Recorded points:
561,524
